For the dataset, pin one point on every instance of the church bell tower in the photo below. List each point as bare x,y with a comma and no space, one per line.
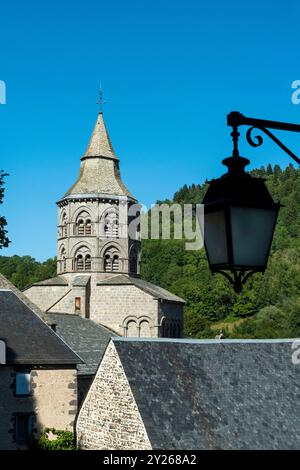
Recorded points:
93,220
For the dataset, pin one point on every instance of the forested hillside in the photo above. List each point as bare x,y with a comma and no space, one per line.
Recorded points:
269,305
25,270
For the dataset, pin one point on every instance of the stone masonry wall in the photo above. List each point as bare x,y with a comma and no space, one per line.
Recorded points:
115,306
53,402
67,303
46,296
109,417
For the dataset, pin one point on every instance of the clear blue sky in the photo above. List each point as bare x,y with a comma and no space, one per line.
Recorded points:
170,70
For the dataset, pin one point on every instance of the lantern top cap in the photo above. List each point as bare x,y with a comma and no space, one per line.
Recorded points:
236,165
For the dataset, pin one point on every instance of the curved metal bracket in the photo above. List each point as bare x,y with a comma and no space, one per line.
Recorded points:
236,119
239,278
259,141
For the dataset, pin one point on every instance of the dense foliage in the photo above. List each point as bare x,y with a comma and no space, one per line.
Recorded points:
24,270
269,305
53,439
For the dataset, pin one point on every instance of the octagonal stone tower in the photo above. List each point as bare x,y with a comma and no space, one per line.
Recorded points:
93,216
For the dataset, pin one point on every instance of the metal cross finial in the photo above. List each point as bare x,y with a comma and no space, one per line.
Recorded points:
101,101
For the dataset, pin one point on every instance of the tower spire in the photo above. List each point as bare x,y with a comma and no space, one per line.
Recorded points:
100,144
99,169
101,101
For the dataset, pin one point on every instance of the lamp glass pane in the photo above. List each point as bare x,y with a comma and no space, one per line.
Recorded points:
252,232
215,237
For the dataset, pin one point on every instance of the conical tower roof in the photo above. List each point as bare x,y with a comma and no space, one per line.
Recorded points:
100,144
99,171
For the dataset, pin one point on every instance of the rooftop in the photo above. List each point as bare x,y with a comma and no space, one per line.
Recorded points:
28,338
99,171
214,394
152,289
88,339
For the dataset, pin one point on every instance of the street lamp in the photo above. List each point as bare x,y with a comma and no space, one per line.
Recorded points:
239,212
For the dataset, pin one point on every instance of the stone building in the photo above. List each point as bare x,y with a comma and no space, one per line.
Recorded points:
99,254
188,395
38,382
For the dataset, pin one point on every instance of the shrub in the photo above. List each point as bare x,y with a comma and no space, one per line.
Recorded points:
61,440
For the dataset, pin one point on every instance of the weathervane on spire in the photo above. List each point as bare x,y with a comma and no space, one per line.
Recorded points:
101,101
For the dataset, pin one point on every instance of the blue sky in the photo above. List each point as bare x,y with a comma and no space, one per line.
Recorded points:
170,71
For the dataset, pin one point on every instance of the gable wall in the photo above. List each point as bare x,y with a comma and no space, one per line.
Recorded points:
109,417
46,296
116,306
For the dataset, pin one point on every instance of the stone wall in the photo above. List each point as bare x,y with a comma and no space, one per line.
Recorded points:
109,417
69,241
45,297
67,303
116,306
53,402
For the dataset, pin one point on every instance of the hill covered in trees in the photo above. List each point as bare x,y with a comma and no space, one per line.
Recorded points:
268,307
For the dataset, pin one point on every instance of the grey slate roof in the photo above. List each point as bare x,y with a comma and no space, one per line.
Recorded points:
53,281
28,339
152,289
88,339
6,284
100,144
215,394
99,170
81,281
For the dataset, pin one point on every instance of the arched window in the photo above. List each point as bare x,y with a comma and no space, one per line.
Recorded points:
132,329
107,263
145,329
115,263
110,223
79,262
64,226
88,227
63,262
83,259
115,228
80,226
133,261
83,224
87,263
111,260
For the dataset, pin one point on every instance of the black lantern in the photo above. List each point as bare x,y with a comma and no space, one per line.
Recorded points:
239,212
239,222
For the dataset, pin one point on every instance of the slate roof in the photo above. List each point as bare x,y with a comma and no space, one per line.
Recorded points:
6,284
99,170
53,281
28,339
100,144
152,289
81,281
208,394
88,339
